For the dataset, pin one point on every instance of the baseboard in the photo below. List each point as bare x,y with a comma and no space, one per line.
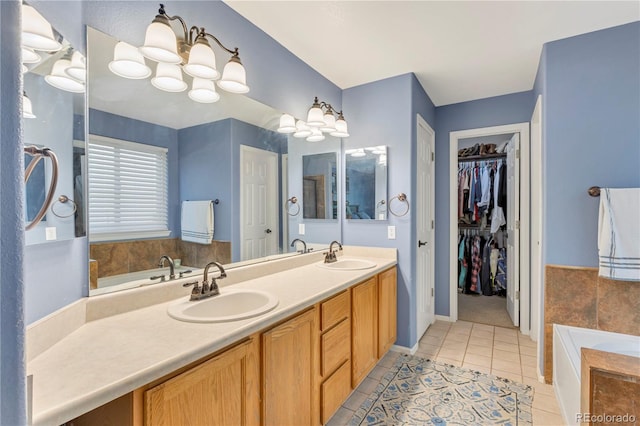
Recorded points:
405,350
443,318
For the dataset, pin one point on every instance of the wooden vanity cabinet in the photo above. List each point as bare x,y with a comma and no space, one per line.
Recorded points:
221,391
364,329
387,310
289,366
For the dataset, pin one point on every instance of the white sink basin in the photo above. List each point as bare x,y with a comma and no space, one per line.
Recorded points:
229,305
347,264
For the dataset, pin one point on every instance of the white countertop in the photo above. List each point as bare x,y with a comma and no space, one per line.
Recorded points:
108,357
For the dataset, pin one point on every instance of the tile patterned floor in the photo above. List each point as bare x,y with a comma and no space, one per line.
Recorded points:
500,351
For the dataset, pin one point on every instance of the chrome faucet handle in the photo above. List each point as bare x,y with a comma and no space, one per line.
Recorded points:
155,277
182,273
195,293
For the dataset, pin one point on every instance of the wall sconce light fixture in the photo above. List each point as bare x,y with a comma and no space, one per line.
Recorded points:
191,50
320,120
27,109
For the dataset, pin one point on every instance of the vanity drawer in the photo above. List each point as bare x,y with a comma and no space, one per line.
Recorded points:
335,391
336,347
335,310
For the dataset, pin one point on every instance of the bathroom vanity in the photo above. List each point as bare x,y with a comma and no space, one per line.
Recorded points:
127,362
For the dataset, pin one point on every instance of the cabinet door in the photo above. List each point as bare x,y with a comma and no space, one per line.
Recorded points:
221,391
387,310
364,329
289,371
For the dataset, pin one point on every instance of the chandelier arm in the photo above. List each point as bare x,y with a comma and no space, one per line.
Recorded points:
192,30
178,18
233,52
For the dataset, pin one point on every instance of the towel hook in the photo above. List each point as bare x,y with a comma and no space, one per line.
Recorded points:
402,197
594,191
292,201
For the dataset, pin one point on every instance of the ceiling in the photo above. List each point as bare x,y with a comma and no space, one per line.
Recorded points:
459,50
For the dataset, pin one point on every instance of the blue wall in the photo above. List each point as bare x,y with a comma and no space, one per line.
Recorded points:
496,111
118,127
591,135
12,348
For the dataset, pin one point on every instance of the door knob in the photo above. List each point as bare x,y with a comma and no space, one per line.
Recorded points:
268,231
421,243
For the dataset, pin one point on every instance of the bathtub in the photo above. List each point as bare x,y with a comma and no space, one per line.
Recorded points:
567,342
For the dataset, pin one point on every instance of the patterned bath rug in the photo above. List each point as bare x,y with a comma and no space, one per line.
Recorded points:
417,391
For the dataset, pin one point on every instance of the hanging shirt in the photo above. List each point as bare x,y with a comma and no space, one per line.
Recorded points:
497,215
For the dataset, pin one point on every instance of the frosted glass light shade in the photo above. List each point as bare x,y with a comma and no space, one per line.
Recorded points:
128,62
203,91
315,117
78,67
24,68
329,123
341,129
168,78
358,153
316,135
160,44
37,32
27,109
202,62
287,124
29,56
302,130
234,77
60,80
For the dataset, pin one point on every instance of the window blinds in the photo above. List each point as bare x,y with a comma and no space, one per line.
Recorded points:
128,184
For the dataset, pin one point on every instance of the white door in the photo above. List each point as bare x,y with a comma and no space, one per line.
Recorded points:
425,309
513,231
259,195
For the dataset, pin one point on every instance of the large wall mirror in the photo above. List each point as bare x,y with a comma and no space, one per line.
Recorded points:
366,183
53,111
226,152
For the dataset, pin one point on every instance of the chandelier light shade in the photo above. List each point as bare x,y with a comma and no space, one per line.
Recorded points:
168,78
61,80
315,116
37,32
287,124
202,61
128,62
302,130
341,128
24,69
29,56
27,109
160,43
234,77
329,122
78,67
203,91
358,153
316,135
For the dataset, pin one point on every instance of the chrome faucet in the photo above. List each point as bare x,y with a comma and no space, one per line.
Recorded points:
172,272
331,256
207,290
304,245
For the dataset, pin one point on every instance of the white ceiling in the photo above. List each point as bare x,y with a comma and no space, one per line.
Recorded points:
459,50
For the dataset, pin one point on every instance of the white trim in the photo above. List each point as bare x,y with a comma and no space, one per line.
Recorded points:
123,236
128,144
404,349
525,191
536,222
444,318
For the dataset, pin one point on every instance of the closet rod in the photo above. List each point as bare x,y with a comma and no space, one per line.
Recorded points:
481,157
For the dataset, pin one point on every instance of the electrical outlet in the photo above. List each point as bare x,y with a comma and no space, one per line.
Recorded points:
301,228
391,232
50,233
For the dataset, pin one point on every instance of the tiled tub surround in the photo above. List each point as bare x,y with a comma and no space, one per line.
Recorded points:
131,256
103,347
610,385
570,375
577,297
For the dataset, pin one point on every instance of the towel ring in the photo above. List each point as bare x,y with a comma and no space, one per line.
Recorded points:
63,199
402,197
294,201
37,155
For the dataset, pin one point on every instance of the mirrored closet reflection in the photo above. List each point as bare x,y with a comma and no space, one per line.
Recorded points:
487,186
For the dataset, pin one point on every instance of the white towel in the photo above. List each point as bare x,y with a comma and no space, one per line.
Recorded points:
619,234
197,221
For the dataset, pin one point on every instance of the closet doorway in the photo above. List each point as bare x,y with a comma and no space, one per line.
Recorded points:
489,226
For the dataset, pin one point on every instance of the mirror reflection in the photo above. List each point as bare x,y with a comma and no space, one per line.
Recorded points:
319,186
366,183
226,151
53,112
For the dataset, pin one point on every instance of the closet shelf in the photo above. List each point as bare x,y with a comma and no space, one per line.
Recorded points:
480,157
